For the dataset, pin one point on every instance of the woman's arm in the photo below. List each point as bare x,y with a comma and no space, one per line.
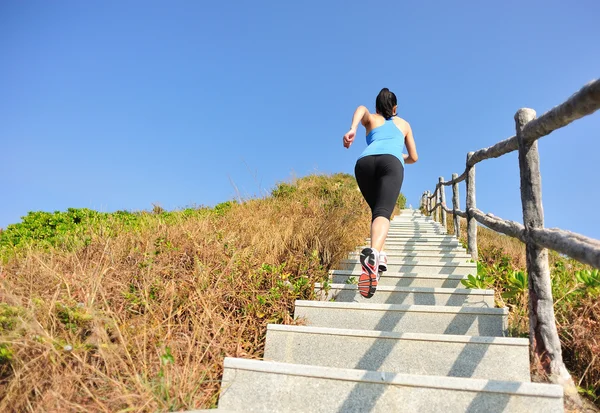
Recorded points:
362,115
411,148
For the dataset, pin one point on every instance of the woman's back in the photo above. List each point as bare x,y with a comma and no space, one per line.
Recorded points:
384,137
376,120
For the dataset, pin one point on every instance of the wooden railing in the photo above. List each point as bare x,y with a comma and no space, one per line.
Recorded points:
543,333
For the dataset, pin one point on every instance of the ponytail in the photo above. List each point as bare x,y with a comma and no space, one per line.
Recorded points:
385,102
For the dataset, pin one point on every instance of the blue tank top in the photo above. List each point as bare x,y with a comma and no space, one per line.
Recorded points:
386,139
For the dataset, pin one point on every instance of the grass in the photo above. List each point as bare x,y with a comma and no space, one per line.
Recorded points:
576,292
136,311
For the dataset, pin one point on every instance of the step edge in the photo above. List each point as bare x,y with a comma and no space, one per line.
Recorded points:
551,391
425,264
352,273
417,308
445,338
435,290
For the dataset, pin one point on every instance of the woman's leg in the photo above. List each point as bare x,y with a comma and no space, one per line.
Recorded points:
379,230
364,170
391,175
366,176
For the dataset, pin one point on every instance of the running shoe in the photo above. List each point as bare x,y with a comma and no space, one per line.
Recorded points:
367,283
382,261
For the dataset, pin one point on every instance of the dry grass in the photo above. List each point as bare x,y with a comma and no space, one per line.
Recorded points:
577,315
141,320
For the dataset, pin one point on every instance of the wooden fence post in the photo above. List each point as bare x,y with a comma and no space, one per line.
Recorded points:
455,206
471,222
429,205
436,215
543,335
443,202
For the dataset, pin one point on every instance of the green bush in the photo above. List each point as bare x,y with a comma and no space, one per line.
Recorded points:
283,190
76,227
401,201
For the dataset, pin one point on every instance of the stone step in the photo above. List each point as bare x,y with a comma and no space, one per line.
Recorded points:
423,246
267,386
211,411
417,233
409,228
417,230
411,217
415,226
413,234
417,259
391,248
418,248
415,223
442,256
418,219
418,238
409,295
415,220
403,280
499,358
420,268
405,318
398,245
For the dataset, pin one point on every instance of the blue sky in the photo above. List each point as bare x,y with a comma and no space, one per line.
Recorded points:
117,105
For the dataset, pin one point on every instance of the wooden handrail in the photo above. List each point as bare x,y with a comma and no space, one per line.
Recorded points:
545,343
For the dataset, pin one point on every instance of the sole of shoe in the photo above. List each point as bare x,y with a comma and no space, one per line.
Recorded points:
367,283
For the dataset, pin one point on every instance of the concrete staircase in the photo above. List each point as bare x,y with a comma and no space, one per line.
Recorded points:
422,343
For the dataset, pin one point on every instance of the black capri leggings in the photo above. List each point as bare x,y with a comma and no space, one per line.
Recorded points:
380,178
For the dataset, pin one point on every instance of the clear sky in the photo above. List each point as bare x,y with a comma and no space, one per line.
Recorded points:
117,105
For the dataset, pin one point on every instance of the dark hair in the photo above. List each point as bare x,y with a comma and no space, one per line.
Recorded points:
385,102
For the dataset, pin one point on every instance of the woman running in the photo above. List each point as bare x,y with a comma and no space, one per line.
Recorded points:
379,172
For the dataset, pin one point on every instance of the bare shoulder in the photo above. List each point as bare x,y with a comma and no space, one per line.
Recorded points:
402,124
372,118
369,121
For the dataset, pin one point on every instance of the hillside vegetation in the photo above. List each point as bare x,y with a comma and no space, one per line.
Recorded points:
136,311
576,292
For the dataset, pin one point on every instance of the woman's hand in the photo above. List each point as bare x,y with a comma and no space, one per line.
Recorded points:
349,138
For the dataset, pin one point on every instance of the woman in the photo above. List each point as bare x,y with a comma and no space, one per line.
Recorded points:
379,172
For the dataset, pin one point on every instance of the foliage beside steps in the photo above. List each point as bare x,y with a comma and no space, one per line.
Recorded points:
136,311
576,292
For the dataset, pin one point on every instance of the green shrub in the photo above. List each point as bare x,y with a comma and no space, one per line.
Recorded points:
283,190
222,208
517,284
401,201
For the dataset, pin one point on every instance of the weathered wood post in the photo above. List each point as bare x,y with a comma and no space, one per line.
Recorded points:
471,223
430,205
455,206
543,335
434,204
443,202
